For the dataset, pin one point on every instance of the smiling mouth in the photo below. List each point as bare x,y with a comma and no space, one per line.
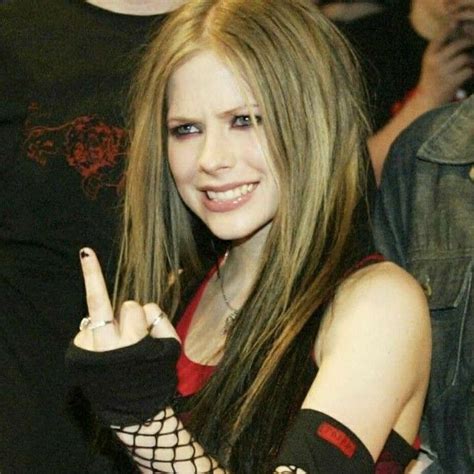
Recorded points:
231,194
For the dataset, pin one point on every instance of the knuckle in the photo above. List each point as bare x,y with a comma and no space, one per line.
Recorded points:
153,310
130,305
152,307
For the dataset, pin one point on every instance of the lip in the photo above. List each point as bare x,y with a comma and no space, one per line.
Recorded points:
225,187
226,206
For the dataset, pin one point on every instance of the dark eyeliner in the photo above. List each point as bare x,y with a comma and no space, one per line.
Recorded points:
180,130
248,120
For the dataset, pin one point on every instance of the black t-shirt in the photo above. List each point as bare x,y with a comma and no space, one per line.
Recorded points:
65,70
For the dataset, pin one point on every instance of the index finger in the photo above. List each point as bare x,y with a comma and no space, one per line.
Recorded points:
97,296
455,6
450,42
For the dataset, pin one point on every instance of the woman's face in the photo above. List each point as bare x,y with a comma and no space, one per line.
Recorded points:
217,157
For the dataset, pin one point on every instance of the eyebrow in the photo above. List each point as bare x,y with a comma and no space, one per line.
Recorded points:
236,110
224,114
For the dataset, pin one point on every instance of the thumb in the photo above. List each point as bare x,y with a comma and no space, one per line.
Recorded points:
158,323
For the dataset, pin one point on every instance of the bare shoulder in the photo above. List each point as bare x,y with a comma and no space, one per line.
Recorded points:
381,288
381,302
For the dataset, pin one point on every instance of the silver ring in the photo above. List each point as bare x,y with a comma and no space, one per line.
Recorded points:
87,323
156,321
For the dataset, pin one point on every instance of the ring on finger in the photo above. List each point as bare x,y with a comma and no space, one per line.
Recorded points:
157,319
87,323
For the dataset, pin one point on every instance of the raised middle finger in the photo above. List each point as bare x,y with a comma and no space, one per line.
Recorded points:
101,318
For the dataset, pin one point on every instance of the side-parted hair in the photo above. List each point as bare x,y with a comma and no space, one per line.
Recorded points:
306,82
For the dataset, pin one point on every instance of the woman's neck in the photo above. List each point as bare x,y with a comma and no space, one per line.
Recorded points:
243,260
239,269
138,7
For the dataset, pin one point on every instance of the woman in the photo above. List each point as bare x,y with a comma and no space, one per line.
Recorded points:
296,354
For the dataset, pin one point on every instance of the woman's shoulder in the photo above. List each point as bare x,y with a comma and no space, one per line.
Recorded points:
382,295
378,271
379,302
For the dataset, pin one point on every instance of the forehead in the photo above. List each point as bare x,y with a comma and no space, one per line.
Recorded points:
205,81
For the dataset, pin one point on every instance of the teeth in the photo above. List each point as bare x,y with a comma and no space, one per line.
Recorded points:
231,194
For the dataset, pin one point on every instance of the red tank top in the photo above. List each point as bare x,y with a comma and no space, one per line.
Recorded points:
192,375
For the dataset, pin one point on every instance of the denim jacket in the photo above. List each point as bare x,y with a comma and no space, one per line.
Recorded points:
424,221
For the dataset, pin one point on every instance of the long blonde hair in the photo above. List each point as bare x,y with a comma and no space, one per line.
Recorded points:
305,80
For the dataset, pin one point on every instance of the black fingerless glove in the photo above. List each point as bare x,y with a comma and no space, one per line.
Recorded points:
126,386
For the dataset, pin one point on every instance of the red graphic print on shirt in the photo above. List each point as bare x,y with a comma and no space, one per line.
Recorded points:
92,147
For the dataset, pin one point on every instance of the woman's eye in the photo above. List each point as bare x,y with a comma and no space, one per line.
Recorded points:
245,120
185,129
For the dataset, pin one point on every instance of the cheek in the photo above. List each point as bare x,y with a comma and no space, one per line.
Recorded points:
253,152
181,165
262,162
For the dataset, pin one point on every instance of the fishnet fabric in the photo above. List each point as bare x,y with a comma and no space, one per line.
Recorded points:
163,445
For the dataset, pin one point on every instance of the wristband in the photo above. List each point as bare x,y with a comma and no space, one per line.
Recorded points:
317,443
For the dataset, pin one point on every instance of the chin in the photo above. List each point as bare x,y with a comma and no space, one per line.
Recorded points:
242,232
228,234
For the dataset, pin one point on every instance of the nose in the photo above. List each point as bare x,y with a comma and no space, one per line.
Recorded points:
216,153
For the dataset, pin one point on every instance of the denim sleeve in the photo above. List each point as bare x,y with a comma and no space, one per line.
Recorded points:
392,207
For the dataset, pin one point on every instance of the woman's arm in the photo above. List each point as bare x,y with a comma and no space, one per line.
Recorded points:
163,445
127,370
374,357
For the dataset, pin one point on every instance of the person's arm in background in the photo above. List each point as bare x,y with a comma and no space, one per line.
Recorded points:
446,66
339,11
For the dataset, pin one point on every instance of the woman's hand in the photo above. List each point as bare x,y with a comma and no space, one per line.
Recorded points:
127,376
130,379
461,11
100,331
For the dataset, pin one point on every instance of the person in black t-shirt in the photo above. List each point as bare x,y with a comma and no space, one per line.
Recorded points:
65,68
416,57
